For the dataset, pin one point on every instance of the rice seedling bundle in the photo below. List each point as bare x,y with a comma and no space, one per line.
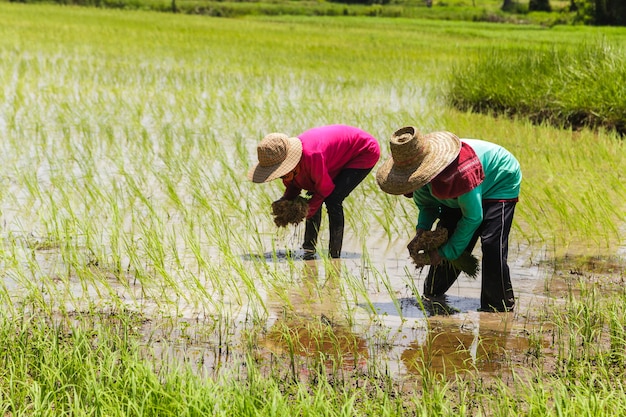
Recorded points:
287,212
433,239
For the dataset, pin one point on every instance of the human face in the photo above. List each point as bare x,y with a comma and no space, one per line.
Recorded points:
291,174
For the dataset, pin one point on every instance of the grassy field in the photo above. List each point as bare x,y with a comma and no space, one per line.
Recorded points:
461,10
133,248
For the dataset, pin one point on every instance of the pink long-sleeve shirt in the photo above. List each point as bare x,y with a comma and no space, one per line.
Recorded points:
326,150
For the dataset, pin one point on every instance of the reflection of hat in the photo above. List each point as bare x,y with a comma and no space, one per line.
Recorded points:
416,159
278,154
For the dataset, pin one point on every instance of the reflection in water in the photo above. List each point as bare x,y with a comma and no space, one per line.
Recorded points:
309,323
313,321
485,346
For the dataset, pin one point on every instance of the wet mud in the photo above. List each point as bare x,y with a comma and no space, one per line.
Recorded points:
347,313
444,335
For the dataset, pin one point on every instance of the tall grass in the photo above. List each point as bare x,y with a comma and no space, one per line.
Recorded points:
572,88
132,243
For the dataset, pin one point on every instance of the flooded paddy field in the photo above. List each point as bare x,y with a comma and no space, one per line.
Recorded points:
128,223
360,312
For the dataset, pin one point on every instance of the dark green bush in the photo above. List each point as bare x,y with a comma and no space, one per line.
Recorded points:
581,87
539,6
600,12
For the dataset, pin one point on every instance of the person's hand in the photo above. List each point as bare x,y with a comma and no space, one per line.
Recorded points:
435,258
413,241
278,201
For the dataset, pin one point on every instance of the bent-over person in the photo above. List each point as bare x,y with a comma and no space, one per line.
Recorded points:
472,187
328,162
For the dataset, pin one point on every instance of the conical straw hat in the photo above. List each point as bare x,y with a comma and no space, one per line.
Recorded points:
278,154
416,159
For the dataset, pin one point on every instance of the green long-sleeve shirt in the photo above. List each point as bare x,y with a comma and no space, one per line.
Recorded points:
502,181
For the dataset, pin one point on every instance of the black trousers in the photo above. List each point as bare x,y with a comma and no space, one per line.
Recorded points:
345,182
496,288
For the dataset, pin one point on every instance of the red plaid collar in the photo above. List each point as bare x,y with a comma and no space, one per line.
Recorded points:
463,175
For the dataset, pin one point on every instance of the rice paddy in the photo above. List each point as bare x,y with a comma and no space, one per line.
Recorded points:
143,274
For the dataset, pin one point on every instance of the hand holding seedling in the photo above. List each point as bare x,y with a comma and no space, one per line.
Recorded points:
287,212
423,251
424,243
435,259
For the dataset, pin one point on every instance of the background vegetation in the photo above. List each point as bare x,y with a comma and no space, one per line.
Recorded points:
571,88
142,272
595,12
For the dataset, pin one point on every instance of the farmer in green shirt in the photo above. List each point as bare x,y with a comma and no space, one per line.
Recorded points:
471,186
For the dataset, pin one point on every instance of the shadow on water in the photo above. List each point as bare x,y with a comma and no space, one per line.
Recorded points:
309,324
282,255
413,307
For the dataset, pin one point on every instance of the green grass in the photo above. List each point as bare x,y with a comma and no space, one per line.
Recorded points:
571,88
132,245
473,11
62,367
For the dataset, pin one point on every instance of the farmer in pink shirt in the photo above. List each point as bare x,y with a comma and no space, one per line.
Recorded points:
328,162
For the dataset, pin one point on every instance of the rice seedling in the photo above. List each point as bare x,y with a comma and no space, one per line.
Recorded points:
141,270
431,240
289,211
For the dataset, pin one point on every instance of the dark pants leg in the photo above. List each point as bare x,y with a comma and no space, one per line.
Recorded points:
496,288
345,182
441,277
311,230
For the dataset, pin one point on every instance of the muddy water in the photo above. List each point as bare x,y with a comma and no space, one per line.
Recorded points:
405,333
383,321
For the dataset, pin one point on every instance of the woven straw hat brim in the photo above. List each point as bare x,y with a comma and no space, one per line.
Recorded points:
442,149
260,173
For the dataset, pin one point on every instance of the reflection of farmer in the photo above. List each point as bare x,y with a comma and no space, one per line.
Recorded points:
327,161
311,322
472,187
486,345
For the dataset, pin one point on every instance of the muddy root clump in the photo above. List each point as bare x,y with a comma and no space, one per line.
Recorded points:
287,212
432,239
427,241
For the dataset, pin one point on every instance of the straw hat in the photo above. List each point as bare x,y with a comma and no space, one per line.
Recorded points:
416,159
278,155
